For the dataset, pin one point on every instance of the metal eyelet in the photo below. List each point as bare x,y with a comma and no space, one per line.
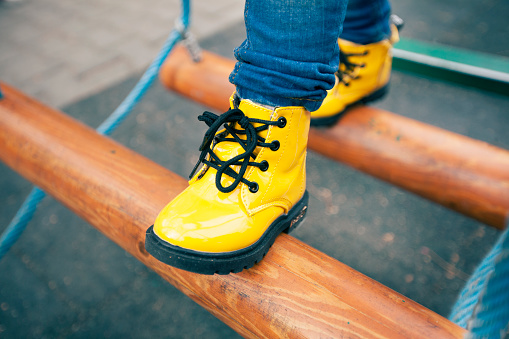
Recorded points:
264,165
275,145
254,188
281,122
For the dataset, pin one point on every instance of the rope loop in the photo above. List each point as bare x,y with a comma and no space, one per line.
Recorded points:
189,40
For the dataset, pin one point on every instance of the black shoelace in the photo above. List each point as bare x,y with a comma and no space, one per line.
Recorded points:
348,74
249,144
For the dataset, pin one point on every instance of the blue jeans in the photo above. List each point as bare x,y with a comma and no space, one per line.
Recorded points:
291,52
367,21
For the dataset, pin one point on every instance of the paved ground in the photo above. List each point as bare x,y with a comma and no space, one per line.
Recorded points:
61,51
64,279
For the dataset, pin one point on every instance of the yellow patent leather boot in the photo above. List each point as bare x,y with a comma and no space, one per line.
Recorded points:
250,188
363,76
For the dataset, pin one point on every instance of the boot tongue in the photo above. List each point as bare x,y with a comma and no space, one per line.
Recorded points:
228,149
256,111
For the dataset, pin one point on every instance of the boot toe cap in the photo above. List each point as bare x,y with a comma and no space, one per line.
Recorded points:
215,226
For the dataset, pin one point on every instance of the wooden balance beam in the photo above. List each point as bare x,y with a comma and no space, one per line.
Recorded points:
463,174
296,291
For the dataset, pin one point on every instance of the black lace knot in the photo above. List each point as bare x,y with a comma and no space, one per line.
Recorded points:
244,122
249,141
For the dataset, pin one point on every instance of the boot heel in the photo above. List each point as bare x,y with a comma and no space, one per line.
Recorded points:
376,95
296,221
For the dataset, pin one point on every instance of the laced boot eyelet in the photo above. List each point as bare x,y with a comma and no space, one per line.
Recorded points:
264,166
254,188
281,122
275,145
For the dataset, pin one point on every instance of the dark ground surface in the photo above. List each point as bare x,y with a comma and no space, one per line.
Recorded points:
64,279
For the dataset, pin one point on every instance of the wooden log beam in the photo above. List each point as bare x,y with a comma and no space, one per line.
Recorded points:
296,291
463,174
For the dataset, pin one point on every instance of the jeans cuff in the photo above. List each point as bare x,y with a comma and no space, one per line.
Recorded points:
263,99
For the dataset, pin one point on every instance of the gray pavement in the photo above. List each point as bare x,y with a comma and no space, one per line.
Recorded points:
61,51
65,279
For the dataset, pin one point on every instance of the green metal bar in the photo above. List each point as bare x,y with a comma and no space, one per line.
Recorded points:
465,67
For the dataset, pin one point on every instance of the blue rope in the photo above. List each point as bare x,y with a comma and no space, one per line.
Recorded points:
27,210
483,305
20,220
147,78
464,306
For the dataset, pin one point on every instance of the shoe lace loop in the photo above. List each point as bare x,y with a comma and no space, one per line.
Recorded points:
350,70
232,134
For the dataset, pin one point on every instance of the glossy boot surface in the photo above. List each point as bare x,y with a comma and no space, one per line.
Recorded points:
363,76
219,226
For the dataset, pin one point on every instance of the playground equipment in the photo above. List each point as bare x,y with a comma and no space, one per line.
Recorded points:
466,175
296,290
463,174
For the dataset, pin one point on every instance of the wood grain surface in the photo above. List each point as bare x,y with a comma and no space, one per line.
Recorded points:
463,174
296,291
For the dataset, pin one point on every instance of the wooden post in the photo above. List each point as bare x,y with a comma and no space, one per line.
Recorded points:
296,291
463,174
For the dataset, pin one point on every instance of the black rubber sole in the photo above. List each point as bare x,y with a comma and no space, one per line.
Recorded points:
226,262
329,121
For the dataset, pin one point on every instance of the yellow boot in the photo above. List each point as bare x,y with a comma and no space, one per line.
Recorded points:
249,190
363,76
